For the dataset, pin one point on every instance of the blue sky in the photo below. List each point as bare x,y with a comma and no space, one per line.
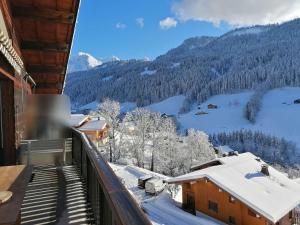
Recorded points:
109,28
97,31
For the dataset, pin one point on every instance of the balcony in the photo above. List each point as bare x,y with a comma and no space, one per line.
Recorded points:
72,184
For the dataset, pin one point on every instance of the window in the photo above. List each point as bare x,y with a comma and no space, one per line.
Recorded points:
213,206
231,220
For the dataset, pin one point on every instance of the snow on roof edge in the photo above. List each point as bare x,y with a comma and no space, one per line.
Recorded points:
272,219
208,173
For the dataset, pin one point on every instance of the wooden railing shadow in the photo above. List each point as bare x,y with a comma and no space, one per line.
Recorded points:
111,202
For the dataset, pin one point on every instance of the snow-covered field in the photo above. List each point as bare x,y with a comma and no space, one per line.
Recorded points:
278,116
227,117
125,107
170,106
161,209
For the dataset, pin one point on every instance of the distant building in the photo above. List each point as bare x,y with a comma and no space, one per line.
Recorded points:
201,113
212,106
223,150
96,129
241,189
297,101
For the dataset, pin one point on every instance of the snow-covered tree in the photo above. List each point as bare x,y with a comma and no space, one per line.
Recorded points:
270,148
141,119
110,111
199,148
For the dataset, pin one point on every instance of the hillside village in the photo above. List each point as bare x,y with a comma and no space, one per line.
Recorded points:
194,122
172,174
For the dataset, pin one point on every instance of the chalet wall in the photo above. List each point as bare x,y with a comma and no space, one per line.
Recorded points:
8,155
208,191
99,135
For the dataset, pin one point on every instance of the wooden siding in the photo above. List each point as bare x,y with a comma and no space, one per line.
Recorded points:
205,191
96,135
8,156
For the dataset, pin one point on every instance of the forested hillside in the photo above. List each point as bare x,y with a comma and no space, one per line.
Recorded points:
257,58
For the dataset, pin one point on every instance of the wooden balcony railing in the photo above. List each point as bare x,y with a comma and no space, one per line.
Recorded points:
112,204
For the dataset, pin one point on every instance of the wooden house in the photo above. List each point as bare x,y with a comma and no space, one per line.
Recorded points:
212,106
242,190
96,129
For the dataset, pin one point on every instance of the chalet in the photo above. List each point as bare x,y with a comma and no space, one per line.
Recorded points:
240,189
96,129
212,106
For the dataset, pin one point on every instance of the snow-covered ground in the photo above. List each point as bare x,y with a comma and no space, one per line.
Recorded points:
227,117
162,209
278,116
175,65
125,106
170,106
148,72
107,78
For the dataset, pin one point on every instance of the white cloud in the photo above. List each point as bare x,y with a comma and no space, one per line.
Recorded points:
140,22
120,25
167,23
238,12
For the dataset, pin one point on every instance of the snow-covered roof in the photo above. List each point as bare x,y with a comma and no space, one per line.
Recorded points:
224,149
76,120
93,125
270,196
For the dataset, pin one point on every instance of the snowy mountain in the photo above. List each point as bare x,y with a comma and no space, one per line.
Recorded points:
255,30
82,61
260,57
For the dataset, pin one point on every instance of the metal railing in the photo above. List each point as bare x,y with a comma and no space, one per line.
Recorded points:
112,204
45,151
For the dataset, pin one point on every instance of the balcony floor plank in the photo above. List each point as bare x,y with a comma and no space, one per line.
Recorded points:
58,206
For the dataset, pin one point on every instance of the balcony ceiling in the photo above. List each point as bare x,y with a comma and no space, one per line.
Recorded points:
45,30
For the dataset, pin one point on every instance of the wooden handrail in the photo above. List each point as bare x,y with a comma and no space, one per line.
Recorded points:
124,209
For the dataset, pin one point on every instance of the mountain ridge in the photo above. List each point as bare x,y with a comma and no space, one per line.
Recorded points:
199,68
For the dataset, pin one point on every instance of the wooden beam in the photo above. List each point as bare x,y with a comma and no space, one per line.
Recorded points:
48,15
48,86
43,46
45,69
47,91
17,83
